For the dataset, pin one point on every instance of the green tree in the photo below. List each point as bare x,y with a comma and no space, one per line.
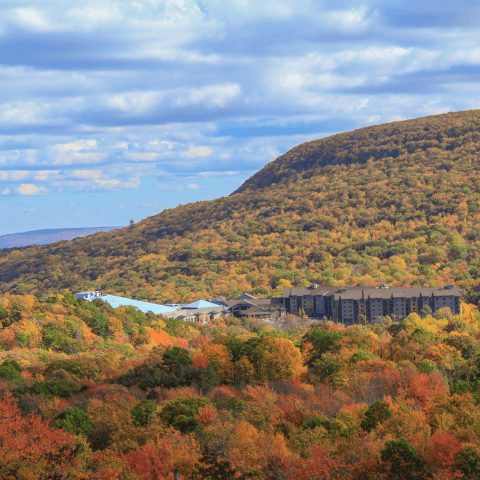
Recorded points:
10,370
323,340
402,461
181,413
143,412
315,421
76,421
175,356
376,414
468,460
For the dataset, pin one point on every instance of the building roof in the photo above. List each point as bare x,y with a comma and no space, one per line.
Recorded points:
144,307
349,295
255,302
356,293
200,304
245,296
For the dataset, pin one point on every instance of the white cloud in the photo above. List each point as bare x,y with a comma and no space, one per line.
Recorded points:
91,16
144,156
192,186
46,175
114,184
218,174
77,145
121,145
195,152
30,189
87,174
211,96
354,19
6,192
23,112
33,19
134,102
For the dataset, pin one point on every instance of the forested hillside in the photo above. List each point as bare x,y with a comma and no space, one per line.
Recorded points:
396,203
96,393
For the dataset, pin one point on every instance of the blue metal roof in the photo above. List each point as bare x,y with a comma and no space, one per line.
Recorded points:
144,307
200,304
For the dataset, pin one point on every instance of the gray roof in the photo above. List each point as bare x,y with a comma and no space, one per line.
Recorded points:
349,295
255,302
357,293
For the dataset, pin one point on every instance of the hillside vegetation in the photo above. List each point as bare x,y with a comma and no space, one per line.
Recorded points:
396,203
93,392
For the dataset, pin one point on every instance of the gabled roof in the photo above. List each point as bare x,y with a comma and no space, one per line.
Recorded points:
144,307
200,304
234,303
245,296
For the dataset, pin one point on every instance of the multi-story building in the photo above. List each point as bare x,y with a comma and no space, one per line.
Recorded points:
346,304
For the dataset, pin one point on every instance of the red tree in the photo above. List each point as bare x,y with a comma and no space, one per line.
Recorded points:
148,462
29,448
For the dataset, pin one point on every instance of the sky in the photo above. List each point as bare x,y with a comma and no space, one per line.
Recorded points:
115,110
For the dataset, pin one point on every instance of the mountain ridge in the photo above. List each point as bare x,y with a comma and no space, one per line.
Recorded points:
409,219
320,153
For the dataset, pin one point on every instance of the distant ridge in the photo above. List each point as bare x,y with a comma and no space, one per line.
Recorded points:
45,236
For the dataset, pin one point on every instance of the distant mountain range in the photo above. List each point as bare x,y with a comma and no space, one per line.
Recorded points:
42,237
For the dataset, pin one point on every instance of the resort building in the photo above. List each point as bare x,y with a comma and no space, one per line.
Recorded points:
345,304
116,302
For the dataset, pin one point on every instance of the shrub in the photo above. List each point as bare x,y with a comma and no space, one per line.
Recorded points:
10,370
80,367
315,421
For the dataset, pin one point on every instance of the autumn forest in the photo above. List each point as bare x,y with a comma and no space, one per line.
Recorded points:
92,392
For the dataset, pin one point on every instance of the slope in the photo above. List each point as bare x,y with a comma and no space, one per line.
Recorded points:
409,217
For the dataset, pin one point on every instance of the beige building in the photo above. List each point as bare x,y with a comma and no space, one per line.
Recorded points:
345,304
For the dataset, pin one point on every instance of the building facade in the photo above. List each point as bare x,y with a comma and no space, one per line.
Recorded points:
350,304
249,306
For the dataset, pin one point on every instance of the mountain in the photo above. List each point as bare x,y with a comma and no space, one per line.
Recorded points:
52,235
396,203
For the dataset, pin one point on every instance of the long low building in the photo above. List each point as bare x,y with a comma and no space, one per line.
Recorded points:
346,304
200,311
116,302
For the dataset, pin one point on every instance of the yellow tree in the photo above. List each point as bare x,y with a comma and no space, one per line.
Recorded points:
219,357
277,359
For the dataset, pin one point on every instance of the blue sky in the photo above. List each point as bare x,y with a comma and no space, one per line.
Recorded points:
116,110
